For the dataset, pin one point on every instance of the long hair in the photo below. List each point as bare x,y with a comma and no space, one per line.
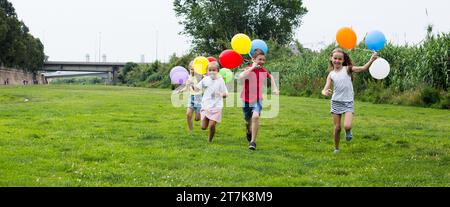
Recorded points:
347,62
191,68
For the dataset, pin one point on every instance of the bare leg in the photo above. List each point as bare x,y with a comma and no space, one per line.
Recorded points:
255,125
197,116
205,123
212,129
189,118
337,129
348,120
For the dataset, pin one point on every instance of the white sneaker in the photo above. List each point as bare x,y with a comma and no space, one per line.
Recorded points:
336,151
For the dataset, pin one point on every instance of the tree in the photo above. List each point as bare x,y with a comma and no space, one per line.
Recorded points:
18,48
7,8
212,23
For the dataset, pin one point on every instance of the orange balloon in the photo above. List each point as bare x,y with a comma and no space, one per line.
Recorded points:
346,38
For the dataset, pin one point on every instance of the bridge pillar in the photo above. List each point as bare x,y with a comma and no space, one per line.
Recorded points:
110,78
115,75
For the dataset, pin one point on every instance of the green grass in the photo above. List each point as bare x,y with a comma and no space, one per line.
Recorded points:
118,136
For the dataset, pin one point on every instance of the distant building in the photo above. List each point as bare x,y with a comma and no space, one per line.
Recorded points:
88,58
104,58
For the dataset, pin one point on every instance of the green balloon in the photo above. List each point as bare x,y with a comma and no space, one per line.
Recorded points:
226,74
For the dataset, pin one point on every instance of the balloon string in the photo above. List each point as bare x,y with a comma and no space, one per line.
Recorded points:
364,50
379,55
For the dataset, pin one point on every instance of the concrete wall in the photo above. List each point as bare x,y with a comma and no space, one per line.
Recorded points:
17,77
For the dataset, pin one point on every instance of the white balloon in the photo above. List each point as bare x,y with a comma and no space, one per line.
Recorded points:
380,69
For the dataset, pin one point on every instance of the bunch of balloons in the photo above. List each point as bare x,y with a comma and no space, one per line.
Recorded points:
375,41
346,38
229,59
241,45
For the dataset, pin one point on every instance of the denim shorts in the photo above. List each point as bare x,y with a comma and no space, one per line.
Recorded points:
341,107
195,103
249,108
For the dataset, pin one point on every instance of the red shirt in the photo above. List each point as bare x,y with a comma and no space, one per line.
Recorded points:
253,85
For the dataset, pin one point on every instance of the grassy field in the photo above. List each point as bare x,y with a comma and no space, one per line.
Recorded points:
118,136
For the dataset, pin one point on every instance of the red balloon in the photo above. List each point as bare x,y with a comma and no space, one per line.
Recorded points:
212,59
230,59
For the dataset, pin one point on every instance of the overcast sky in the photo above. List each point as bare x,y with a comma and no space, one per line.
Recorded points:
70,29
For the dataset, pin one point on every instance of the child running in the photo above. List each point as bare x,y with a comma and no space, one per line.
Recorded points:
214,91
195,98
341,71
254,77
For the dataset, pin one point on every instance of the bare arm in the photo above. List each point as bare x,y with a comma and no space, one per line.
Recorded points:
274,86
327,89
189,83
245,73
224,95
358,69
183,89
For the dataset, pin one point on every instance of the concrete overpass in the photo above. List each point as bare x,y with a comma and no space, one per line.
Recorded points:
110,68
69,75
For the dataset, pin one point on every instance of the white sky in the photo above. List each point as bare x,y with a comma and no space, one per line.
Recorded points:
70,29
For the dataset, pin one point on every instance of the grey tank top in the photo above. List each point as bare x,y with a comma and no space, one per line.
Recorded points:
342,84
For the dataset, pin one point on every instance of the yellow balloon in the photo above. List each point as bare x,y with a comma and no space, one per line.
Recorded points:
200,65
241,43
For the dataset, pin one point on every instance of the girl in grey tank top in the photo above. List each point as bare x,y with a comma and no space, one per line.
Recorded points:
341,75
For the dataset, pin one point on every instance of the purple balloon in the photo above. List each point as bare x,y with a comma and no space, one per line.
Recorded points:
177,69
179,77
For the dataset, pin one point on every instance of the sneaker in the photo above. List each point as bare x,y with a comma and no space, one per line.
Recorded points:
252,146
348,135
249,137
336,151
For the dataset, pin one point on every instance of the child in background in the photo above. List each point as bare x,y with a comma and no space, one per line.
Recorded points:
195,98
214,91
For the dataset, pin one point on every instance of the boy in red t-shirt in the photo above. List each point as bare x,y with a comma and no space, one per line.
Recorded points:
254,77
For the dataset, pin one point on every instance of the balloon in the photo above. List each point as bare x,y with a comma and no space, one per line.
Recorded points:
380,69
259,44
226,74
230,59
346,38
176,69
212,59
200,65
179,77
241,43
375,40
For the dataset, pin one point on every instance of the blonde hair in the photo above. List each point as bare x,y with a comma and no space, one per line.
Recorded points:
214,64
191,68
